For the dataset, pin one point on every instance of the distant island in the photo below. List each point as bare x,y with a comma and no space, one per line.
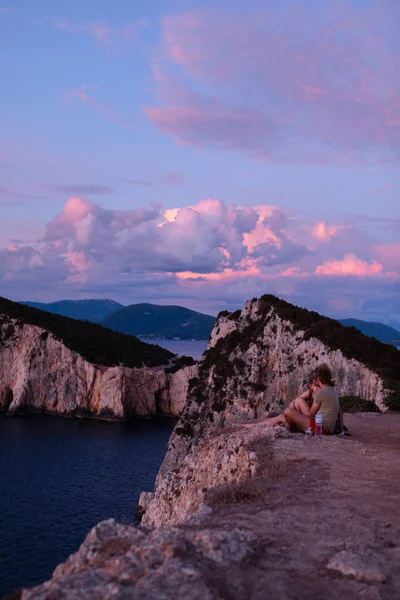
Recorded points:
381,332
84,310
145,321
152,321
160,322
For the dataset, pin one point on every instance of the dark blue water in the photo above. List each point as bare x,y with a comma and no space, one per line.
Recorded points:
59,477
193,348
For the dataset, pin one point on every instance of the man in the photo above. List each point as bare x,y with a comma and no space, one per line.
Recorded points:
298,416
325,400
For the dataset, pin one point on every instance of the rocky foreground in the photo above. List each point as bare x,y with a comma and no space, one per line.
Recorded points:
280,516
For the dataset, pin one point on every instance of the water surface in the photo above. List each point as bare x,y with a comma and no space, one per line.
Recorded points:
59,477
193,348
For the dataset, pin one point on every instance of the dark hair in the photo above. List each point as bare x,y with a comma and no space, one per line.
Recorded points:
324,374
311,380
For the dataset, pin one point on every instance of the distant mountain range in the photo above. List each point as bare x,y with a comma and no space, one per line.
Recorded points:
150,321
381,332
154,321
84,310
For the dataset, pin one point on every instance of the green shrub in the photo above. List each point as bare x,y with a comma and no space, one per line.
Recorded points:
353,404
182,361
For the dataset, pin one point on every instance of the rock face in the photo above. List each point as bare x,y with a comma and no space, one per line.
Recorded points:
274,355
38,373
117,561
219,461
257,361
283,516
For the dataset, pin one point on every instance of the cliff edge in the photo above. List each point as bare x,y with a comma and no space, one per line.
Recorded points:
258,359
284,517
254,514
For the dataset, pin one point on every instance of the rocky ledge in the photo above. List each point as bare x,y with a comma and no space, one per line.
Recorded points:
276,516
258,360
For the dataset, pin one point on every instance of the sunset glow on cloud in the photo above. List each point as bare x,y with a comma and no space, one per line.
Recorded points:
322,231
203,155
285,85
350,265
204,245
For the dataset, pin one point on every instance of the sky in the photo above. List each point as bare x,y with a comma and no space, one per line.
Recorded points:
202,153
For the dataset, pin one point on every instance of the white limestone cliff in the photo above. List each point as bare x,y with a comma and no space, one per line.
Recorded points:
38,373
256,363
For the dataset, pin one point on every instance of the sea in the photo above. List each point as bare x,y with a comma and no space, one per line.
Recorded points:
59,477
193,348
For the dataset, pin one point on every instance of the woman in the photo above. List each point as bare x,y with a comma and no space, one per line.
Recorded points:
302,404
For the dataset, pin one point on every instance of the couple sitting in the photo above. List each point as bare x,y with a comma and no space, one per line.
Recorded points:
300,414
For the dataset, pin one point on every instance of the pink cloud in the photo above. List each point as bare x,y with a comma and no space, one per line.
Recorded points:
211,123
76,209
389,254
293,272
210,250
209,240
350,265
262,233
79,266
269,86
324,232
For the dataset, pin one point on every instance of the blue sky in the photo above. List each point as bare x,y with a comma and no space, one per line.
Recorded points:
131,105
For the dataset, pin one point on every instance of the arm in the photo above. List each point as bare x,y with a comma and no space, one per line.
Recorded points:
297,402
314,408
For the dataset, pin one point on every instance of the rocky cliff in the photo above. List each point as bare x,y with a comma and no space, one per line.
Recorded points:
283,516
42,372
259,359
263,513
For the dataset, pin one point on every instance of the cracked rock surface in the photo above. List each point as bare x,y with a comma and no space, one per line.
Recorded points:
313,519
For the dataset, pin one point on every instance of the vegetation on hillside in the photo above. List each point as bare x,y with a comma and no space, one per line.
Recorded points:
381,332
381,358
94,310
354,404
95,343
163,322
